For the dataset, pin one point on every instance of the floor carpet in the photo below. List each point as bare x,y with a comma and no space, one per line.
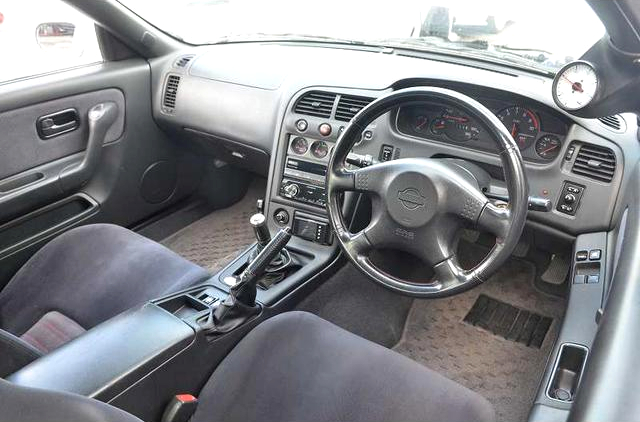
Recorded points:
505,372
214,240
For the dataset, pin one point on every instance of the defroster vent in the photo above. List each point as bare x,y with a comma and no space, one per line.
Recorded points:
183,61
615,123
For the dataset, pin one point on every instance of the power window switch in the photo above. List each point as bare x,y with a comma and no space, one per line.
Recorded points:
582,255
595,254
579,279
593,279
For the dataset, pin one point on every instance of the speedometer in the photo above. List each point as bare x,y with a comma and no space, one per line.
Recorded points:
522,123
575,85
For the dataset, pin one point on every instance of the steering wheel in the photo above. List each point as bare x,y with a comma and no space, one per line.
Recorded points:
419,204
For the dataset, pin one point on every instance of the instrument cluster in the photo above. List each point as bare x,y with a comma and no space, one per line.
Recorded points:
539,136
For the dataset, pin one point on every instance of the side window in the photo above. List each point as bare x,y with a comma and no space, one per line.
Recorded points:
41,36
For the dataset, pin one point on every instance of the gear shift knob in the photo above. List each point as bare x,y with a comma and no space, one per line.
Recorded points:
259,223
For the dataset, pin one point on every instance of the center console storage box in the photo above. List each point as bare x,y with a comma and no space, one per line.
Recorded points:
111,357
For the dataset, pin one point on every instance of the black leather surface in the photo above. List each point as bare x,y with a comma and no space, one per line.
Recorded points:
24,404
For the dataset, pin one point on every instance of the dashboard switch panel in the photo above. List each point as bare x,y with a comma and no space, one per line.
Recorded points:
386,153
311,229
570,198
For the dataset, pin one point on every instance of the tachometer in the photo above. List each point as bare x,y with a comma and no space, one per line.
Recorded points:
575,85
522,123
548,147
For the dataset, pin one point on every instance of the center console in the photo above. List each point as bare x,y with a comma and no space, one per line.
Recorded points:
296,195
140,359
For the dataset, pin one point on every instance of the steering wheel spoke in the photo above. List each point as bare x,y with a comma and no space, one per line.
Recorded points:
370,179
358,244
494,220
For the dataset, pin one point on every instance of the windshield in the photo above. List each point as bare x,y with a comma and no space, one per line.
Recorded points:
544,33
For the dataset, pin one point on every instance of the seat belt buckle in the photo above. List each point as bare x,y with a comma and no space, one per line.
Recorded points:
180,408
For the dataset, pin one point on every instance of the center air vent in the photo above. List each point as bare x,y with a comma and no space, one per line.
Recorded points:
183,61
349,106
615,123
316,103
171,92
595,162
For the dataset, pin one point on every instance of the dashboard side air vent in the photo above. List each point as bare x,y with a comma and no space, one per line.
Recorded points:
170,93
615,123
595,162
183,61
350,105
316,103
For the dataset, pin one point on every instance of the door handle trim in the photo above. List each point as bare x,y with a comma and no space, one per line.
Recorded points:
58,123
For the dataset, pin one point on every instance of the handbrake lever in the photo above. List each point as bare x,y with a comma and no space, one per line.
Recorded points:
240,305
245,288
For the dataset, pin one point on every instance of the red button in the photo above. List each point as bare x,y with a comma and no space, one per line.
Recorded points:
324,129
186,398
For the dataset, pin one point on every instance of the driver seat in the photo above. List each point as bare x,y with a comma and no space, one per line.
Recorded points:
293,367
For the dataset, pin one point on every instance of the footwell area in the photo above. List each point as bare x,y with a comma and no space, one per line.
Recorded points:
214,240
505,372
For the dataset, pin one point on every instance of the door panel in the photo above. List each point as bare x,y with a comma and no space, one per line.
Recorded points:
136,161
21,146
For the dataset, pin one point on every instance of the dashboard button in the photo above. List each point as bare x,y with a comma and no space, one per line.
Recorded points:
582,255
324,129
281,216
292,190
579,279
595,254
302,125
386,153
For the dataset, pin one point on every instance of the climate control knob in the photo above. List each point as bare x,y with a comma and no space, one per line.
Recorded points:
292,190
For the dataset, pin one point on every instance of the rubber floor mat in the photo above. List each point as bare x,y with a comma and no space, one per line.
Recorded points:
508,321
216,239
507,373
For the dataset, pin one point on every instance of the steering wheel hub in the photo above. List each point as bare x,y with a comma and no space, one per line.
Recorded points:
411,199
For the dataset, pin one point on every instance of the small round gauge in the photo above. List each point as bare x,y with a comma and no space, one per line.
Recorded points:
522,123
421,124
548,147
319,149
575,85
438,126
455,126
299,145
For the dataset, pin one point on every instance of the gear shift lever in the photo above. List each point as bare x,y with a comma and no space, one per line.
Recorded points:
259,223
241,305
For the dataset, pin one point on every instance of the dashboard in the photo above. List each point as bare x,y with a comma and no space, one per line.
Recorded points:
282,120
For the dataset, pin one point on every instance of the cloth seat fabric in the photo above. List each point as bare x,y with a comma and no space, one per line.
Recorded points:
299,367
84,277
